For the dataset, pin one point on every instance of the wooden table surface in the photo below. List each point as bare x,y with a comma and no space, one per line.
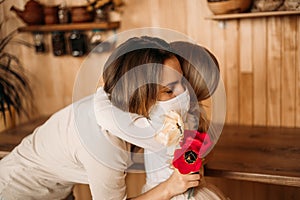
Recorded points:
267,155
11,137
261,154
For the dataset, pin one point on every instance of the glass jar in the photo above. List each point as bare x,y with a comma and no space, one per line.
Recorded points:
101,15
77,41
58,43
100,42
95,39
39,42
64,14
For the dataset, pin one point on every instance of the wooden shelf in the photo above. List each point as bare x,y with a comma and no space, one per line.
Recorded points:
252,15
70,27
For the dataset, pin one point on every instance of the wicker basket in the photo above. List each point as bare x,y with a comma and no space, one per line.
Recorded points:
292,4
230,6
266,5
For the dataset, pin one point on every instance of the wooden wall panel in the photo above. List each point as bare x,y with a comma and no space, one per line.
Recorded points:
52,79
259,53
172,16
232,71
288,72
218,44
198,28
245,73
246,99
135,182
260,191
245,46
298,73
137,16
274,71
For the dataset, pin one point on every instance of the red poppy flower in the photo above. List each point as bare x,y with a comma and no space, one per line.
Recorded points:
194,134
203,137
187,158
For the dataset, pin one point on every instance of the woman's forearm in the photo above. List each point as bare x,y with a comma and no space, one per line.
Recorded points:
160,192
176,184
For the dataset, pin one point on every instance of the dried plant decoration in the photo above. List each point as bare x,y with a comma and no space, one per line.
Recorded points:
15,91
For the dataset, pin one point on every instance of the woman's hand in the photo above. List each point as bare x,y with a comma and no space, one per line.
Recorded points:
178,183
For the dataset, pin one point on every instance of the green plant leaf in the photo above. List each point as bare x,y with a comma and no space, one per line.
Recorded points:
15,91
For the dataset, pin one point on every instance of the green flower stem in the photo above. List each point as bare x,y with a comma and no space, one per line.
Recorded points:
190,192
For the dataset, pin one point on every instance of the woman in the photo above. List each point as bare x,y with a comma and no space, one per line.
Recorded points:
194,80
71,147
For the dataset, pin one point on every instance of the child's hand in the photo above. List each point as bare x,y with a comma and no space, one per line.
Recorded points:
172,130
178,183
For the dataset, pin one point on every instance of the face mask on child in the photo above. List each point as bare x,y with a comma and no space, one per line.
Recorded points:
180,104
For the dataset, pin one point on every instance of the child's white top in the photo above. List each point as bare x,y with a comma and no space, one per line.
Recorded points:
139,131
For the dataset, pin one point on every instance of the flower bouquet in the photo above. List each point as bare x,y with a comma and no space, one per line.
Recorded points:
190,156
186,147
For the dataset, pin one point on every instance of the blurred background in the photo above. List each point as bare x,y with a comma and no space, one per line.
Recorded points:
259,56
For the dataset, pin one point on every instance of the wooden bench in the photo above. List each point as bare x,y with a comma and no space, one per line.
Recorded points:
12,137
260,154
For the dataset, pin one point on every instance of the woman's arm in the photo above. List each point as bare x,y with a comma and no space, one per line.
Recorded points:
106,182
175,185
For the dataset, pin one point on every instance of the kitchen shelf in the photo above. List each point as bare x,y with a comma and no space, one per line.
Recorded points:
70,27
252,15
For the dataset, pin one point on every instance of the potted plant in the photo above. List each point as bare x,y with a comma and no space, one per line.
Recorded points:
15,91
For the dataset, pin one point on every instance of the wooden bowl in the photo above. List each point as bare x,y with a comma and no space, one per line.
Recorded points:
81,14
51,10
51,14
82,18
230,6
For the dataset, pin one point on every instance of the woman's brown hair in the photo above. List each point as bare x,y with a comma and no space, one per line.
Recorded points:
131,74
201,69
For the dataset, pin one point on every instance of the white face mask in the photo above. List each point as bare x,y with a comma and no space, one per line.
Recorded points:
180,104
